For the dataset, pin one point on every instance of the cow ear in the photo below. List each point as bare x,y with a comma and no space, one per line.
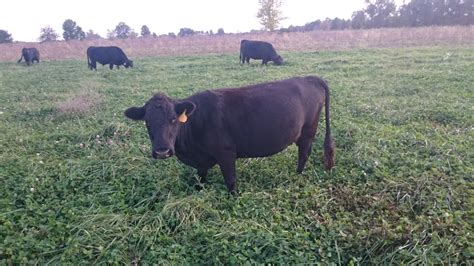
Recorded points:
135,113
184,109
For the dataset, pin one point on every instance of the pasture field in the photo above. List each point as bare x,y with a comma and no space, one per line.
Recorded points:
77,183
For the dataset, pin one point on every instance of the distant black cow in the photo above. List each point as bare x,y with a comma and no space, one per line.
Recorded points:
219,126
30,55
111,55
258,50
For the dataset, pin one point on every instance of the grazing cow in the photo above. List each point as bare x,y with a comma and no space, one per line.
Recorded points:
219,126
30,55
258,50
111,55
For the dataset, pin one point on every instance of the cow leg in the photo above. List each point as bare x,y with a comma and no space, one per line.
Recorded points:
305,143
227,164
248,60
202,173
111,66
304,150
94,65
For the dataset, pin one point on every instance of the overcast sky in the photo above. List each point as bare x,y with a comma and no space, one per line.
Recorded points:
24,18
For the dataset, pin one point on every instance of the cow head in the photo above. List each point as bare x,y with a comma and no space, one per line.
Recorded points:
128,63
277,59
163,118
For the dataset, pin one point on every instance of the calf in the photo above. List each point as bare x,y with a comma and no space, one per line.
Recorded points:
30,55
111,55
219,126
258,50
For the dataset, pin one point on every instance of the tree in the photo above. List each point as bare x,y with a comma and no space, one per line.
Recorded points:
69,27
145,32
121,31
220,31
5,37
336,24
72,31
380,13
325,24
92,35
270,14
183,32
466,13
358,20
48,34
81,35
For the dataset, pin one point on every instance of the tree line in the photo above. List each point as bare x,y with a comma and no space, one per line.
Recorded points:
376,14
72,31
385,13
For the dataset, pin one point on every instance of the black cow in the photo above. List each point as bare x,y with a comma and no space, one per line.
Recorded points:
219,126
111,55
30,55
258,50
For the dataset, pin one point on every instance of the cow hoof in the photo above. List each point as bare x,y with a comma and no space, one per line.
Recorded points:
199,186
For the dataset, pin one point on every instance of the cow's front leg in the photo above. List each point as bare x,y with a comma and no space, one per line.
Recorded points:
227,164
202,173
111,66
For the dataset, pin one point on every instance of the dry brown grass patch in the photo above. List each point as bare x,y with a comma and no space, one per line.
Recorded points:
230,43
82,102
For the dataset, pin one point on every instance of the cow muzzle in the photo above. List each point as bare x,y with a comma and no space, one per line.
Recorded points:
162,153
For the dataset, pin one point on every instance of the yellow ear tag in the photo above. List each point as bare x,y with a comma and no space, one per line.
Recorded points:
183,117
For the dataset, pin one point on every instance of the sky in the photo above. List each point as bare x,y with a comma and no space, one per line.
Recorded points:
24,19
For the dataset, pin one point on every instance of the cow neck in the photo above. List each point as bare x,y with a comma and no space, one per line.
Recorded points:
183,138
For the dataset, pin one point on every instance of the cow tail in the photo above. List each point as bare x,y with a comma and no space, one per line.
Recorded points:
89,62
21,57
329,145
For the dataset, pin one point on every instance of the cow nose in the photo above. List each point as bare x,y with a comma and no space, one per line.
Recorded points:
162,153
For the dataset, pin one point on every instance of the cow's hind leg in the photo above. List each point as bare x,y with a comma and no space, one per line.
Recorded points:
111,66
305,143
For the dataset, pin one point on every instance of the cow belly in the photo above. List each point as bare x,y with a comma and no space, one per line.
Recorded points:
266,143
104,61
252,153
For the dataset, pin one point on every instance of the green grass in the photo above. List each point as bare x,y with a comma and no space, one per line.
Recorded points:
80,187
